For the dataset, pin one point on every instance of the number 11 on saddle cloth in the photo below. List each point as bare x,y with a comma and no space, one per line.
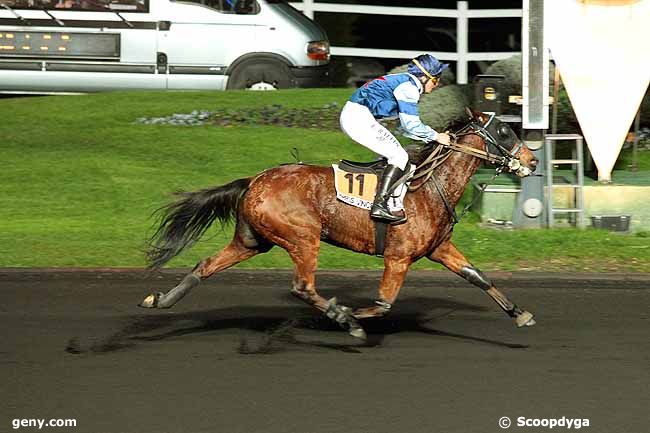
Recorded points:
359,189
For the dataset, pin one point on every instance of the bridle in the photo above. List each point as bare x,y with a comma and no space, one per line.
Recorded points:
476,128
507,158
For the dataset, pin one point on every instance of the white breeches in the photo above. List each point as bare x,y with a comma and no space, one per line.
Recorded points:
360,125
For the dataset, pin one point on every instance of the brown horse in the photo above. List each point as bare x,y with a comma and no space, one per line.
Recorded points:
295,207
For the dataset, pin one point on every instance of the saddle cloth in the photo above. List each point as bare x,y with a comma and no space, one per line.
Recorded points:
358,187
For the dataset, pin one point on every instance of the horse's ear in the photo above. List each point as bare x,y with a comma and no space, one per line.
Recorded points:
476,115
481,117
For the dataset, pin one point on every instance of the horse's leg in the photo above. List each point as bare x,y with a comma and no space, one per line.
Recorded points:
448,255
391,283
305,259
244,246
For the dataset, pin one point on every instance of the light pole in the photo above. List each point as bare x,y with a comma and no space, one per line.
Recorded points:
529,211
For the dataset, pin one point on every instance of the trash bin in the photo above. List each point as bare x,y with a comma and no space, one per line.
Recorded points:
613,223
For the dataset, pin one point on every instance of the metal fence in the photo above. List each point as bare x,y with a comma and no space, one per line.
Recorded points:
462,14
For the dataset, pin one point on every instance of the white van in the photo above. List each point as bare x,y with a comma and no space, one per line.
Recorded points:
58,46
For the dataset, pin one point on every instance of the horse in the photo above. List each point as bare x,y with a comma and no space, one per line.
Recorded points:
295,207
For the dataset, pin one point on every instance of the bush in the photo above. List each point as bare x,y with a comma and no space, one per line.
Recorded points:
445,104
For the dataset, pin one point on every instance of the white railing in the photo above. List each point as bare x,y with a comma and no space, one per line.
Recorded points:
462,14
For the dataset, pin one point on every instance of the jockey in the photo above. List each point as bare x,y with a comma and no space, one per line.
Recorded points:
391,96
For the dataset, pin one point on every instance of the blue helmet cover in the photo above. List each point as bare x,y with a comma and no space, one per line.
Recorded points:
428,62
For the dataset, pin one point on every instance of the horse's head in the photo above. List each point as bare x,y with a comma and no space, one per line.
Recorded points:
501,140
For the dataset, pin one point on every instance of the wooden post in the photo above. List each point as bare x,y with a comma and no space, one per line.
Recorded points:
308,8
462,45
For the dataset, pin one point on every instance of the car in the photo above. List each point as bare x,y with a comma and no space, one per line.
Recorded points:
61,46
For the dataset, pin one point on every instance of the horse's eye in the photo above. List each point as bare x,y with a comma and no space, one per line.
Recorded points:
503,131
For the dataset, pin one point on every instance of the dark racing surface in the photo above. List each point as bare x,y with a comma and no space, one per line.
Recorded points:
240,355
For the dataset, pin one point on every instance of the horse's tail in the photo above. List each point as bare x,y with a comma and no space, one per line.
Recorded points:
184,221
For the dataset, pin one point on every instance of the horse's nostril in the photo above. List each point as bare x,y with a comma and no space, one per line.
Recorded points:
534,162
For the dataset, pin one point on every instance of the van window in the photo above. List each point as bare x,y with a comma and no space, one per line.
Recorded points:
81,5
239,7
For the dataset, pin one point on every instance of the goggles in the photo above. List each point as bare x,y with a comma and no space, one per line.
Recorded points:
433,78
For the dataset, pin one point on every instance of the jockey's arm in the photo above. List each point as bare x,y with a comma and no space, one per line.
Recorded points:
407,96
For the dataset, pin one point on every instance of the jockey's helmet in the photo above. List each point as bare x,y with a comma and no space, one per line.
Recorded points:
426,65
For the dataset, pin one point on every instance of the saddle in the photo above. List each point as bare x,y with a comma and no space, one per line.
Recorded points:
415,153
377,167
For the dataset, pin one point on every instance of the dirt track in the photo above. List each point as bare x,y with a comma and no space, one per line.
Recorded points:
239,354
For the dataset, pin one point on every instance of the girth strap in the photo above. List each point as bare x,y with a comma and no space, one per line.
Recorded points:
443,195
381,229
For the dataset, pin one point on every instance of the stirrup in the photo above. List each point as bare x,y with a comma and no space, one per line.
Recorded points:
382,213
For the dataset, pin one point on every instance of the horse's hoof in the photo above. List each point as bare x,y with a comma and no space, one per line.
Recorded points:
358,333
150,301
525,319
354,328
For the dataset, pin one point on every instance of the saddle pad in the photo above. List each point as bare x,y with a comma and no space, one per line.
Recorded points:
359,189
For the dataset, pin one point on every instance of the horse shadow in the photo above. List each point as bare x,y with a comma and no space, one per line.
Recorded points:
273,329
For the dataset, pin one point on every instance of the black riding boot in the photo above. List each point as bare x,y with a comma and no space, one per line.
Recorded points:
380,210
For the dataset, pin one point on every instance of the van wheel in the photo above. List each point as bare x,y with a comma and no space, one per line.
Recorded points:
260,74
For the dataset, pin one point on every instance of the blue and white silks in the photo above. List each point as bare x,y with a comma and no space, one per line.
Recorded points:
393,96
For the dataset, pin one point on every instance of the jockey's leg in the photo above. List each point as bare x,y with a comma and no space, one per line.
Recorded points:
448,255
244,246
361,126
394,273
385,190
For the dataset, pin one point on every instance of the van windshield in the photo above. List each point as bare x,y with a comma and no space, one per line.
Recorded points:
239,7
81,5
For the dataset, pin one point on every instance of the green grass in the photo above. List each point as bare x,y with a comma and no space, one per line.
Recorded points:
80,180
626,159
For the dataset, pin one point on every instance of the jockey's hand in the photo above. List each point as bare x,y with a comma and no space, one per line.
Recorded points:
443,138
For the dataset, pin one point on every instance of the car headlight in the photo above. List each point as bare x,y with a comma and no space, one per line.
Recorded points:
318,50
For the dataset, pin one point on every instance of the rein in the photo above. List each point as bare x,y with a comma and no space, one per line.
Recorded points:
442,152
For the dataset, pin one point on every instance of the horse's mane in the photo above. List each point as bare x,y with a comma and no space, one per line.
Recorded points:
457,124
